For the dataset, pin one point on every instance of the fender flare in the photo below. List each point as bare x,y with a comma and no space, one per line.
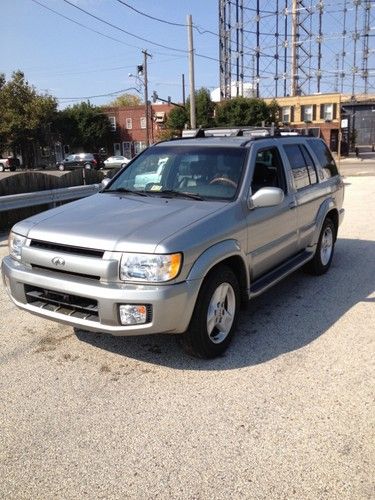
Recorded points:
325,207
214,255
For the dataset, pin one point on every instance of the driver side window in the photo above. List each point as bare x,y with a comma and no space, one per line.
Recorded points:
268,170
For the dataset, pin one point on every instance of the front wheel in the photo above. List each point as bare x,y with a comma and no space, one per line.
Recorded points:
87,166
2,168
322,259
215,315
61,167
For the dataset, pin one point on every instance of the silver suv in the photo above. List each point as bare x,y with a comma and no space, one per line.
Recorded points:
226,219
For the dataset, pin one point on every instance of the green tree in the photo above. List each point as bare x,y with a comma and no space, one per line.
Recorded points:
83,126
126,100
242,111
274,112
177,117
204,108
25,115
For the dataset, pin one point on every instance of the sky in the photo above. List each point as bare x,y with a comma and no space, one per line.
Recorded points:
69,61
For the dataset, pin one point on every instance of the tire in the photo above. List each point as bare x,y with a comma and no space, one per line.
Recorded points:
61,167
215,315
323,256
2,168
87,166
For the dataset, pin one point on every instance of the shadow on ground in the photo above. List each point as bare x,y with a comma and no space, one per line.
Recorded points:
288,317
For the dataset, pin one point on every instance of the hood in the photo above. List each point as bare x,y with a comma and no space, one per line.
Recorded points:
113,222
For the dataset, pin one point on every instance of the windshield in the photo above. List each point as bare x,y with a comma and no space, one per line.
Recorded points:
207,172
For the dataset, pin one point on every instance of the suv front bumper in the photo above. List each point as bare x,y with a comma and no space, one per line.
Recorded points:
171,306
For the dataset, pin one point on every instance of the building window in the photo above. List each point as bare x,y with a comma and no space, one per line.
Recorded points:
143,122
286,114
112,120
328,112
307,113
127,149
139,146
129,124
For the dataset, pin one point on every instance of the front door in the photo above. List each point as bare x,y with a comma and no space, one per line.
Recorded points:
272,231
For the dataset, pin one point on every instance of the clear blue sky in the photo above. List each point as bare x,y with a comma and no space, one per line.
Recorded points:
67,60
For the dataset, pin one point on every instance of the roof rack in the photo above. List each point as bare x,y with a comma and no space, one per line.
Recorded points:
250,132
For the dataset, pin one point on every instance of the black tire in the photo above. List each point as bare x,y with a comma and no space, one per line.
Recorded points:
61,167
318,266
196,340
2,168
88,166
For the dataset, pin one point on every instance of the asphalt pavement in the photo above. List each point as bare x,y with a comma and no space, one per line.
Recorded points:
287,413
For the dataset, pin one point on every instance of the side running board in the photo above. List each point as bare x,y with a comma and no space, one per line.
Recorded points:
267,280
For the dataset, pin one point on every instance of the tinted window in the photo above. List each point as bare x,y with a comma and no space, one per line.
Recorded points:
310,165
268,170
325,158
298,164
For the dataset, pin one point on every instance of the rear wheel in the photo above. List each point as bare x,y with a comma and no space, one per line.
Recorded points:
87,166
61,167
2,168
322,259
215,315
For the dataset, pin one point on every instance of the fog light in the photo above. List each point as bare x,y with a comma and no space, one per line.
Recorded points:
133,314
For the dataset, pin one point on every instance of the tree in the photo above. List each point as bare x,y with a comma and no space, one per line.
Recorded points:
177,118
204,108
25,115
83,126
242,111
126,101
274,112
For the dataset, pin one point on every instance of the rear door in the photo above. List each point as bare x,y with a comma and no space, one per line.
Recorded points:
310,193
272,231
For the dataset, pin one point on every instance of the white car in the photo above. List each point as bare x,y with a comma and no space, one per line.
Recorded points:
116,162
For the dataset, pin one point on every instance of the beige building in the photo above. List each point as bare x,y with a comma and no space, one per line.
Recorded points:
319,114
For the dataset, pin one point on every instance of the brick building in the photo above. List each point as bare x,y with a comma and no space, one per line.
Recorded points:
129,127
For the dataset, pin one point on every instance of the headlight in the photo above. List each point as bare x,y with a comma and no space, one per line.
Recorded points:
149,267
15,243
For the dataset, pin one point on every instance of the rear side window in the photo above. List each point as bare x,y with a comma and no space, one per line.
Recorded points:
325,158
299,166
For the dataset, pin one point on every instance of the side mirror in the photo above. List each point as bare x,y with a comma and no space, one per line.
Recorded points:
104,183
266,197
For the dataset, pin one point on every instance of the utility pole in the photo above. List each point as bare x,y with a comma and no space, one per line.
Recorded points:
183,89
193,124
145,56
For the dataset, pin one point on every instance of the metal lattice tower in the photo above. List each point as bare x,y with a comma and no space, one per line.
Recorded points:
290,47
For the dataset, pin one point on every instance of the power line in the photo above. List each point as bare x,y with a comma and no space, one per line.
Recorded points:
149,15
84,26
99,95
121,29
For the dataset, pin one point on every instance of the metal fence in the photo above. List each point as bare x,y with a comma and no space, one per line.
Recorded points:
50,196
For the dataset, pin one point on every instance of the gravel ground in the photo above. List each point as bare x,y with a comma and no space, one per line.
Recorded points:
287,413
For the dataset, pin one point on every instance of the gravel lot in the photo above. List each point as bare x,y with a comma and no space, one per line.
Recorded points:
287,413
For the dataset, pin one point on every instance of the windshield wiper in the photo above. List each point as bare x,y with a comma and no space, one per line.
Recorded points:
180,194
125,190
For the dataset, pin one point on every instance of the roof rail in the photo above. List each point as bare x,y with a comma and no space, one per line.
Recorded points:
231,132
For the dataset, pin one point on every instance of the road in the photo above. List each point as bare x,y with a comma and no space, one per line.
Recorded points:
287,413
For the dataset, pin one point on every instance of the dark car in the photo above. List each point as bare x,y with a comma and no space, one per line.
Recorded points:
80,160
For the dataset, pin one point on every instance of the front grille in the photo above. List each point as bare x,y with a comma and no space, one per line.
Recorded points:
45,245
63,303
69,273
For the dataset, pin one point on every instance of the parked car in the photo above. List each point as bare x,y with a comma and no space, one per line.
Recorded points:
79,160
9,163
228,218
116,162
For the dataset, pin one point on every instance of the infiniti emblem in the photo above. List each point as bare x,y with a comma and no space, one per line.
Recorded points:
58,261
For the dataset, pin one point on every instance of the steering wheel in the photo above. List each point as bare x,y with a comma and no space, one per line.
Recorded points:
224,180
